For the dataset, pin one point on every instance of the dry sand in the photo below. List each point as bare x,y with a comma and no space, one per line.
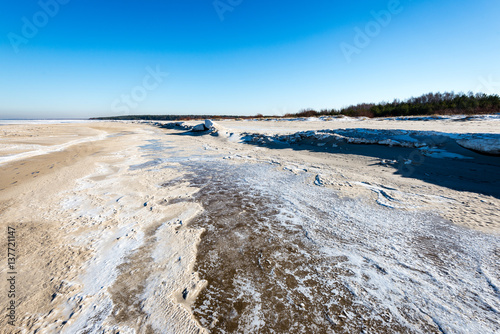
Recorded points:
86,230
104,244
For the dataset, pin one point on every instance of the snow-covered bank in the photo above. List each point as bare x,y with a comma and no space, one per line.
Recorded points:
483,145
428,142
459,171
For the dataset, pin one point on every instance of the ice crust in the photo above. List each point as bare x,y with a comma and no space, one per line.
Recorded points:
446,275
424,140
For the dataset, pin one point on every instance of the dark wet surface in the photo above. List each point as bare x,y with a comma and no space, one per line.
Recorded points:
284,256
271,270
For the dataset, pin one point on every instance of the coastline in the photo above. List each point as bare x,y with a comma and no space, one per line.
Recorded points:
105,225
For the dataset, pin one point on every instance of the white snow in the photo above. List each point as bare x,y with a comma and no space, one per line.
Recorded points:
50,149
431,143
489,146
209,124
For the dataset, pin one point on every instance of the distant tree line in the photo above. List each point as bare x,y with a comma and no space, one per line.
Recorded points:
428,104
165,117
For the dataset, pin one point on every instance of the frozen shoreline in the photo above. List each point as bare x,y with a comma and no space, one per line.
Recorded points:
426,141
125,218
429,142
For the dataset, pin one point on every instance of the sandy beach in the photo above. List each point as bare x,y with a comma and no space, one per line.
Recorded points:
128,227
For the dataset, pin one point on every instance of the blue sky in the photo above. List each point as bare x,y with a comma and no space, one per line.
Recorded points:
241,57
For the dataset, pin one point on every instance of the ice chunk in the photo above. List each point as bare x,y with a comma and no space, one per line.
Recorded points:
199,128
209,124
488,146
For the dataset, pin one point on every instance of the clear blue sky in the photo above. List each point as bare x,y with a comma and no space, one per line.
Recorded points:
244,57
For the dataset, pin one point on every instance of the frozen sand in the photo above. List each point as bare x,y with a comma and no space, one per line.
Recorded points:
96,245
106,226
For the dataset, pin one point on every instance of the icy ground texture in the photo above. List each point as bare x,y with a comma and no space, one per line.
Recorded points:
35,150
283,255
426,141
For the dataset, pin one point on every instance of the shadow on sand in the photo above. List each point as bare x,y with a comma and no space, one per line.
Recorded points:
480,174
